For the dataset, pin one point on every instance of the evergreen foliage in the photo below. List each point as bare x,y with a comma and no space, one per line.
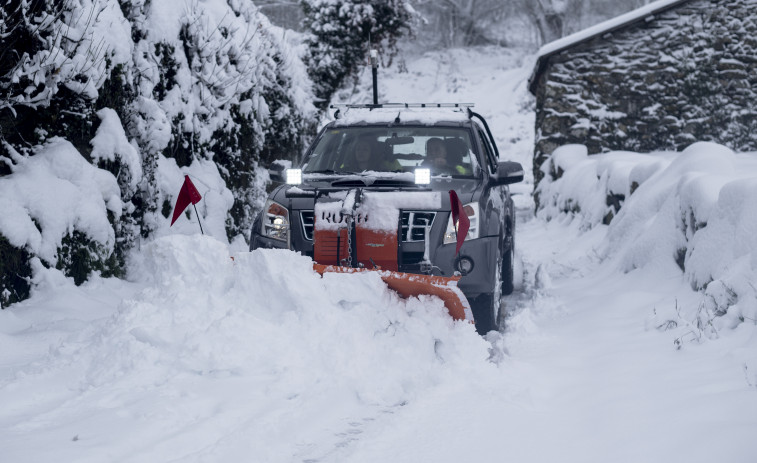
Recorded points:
15,273
225,94
50,67
79,256
343,32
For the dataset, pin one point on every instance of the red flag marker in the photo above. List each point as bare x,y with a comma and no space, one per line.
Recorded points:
187,194
460,219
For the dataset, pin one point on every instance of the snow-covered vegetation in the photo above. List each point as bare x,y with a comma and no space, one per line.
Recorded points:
694,209
106,105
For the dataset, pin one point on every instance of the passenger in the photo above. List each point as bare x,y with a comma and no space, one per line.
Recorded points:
440,161
457,150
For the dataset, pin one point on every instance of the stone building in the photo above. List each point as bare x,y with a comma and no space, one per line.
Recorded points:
659,77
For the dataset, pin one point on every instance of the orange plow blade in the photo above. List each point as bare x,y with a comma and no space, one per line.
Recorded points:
410,284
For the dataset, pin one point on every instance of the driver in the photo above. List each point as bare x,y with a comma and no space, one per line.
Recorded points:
367,156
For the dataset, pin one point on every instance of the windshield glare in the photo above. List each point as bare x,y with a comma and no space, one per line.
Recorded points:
443,150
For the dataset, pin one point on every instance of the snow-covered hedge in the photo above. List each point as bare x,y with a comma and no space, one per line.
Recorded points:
695,208
106,105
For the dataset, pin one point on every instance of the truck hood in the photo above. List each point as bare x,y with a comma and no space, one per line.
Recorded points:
465,188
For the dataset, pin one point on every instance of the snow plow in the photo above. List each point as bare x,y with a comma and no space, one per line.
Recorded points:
352,237
413,285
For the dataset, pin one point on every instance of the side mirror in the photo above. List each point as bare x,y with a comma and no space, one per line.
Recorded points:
277,170
508,172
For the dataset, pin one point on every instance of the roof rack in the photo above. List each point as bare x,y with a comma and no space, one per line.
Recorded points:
402,105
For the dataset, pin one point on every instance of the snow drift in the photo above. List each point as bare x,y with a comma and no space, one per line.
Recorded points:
203,327
694,209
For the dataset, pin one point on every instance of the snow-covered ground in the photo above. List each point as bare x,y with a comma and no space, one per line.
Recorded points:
608,353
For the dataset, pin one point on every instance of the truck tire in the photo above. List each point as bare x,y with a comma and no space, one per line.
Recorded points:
508,268
486,307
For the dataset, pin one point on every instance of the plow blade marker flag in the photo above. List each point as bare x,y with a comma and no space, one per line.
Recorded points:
187,194
460,219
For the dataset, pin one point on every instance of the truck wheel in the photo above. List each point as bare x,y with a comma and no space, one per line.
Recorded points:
508,268
486,307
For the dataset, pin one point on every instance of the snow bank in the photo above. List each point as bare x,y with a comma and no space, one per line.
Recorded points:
213,209
220,342
205,295
694,209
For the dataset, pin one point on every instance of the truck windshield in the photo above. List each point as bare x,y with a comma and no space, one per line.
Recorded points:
443,150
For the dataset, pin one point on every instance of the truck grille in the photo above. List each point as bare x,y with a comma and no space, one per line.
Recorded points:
307,219
413,224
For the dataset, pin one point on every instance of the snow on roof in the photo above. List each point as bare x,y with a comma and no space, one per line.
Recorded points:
425,115
602,28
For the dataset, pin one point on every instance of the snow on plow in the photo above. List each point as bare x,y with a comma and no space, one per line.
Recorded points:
414,285
359,233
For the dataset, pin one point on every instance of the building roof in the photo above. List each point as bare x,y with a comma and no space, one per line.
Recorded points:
645,13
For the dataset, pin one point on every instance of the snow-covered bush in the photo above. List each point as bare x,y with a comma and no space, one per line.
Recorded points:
55,57
342,31
46,45
593,188
15,273
58,208
694,209
216,72
140,93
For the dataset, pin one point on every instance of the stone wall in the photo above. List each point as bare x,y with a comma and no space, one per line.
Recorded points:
689,74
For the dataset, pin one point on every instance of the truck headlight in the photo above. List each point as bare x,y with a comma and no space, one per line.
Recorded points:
275,221
471,210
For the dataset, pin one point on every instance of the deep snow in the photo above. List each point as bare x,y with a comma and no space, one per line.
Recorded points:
199,357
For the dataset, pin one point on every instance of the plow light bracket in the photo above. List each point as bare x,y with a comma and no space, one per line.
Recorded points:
422,176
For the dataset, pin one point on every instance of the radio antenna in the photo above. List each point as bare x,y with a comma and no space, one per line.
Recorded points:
374,69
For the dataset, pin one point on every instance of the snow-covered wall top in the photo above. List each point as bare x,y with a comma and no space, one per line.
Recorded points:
687,74
645,13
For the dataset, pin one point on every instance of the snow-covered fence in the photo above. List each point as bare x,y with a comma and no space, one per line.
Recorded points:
695,208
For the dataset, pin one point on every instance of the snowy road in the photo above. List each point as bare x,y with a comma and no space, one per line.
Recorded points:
583,375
